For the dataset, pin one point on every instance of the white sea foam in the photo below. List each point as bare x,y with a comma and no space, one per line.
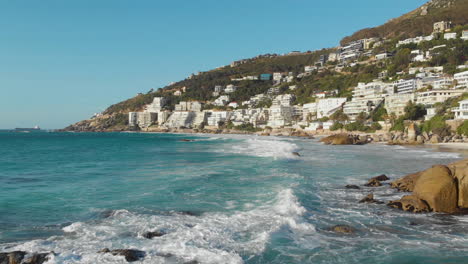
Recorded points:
209,238
263,148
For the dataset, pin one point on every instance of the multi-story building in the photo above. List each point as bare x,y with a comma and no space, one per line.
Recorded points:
309,111
280,116
328,106
406,86
443,83
188,106
429,98
396,103
366,97
351,50
265,77
215,118
310,68
461,112
273,90
156,106
141,119
461,79
284,100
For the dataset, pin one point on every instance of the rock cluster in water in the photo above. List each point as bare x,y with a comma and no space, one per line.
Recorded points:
437,189
22,257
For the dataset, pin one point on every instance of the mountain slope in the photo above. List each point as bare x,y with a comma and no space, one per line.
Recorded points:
417,22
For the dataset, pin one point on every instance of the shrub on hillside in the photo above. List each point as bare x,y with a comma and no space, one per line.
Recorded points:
463,128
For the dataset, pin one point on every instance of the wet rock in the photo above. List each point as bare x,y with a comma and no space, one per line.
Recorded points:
437,187
187,140
343,229
373,183
350,186
14,257
410,203
150,235
406,184
370,199
381,177
129,254
190,213
37,258
343,139
296,154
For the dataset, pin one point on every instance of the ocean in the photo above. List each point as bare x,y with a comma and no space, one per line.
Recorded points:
216,199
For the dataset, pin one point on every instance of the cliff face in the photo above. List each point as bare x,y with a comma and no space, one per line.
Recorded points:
417,22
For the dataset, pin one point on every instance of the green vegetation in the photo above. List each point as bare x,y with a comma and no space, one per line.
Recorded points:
437,126
336,126
463,128
414,24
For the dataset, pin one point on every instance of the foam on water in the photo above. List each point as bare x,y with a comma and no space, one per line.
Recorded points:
209,238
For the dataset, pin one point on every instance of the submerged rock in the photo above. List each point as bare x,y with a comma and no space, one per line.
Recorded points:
296,154
150,235
129,254
187,140
381,177
373,183
370,199
351,186
343,229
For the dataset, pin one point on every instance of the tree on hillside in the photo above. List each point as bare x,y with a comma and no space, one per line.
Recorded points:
414,111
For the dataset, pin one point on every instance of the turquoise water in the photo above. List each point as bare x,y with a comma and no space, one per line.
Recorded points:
220,199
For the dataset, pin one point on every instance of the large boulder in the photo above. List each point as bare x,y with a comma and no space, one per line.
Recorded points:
459,171
410,203
343,229
435,139
339,139
406,184
437,187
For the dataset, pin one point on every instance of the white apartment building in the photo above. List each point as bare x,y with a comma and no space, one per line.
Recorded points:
396,103
366,97
461,112
406,86
310,68
442,83
141,119
188,106
309,111
215,117
280,116
429,98
462,79
156,106
328,106
284,100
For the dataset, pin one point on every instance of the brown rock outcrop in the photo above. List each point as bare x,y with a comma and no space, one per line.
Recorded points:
437,187
459,171
406,184
344,139
410,203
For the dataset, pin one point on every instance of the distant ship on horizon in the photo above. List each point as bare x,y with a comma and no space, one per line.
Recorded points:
21,129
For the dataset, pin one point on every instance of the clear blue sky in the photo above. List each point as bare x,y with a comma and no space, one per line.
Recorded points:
61,61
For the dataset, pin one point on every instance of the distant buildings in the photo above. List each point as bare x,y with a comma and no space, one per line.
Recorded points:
461,79
328,106
462,111
230,88
442,26
406,86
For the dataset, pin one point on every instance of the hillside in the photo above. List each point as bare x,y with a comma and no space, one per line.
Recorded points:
332,77
417,22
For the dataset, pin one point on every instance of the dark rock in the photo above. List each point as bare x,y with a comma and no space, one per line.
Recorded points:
187,140
190,213
373,183
150,235
343,229
296,154
37,258
129,254
370,199
350,186
382,177
14,257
